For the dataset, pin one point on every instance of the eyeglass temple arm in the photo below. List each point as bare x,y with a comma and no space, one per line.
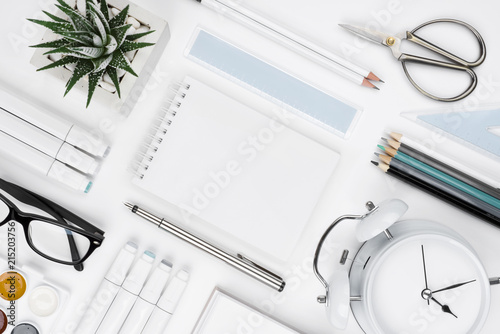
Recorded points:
75,256
50,207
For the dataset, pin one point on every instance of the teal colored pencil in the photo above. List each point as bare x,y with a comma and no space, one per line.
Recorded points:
447,179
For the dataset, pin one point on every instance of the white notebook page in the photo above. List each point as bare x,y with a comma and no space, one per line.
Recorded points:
239,170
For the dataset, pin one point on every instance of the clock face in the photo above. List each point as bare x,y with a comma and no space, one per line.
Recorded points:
426,284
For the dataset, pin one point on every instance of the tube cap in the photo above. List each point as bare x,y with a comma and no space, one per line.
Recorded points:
173,293
155,284
140,271
87,142
77,159
69,177
119,268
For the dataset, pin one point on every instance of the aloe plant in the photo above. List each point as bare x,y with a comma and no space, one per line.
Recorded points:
94,41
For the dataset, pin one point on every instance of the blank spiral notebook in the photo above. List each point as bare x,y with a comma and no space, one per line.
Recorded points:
233,167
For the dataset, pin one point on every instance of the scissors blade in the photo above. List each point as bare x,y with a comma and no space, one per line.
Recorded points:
371,35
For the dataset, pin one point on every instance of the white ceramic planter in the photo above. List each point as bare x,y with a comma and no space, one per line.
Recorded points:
143,63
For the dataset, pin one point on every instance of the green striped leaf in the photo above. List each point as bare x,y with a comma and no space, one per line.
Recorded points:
83,67
120,61
101,63
79,22
56,27
131,46
105,9
63,61
64,4
55,18
133,37
53,44
94,78
94,9
119,19
100,27
89,52
82,37
119,33
111,46
66,51
113,74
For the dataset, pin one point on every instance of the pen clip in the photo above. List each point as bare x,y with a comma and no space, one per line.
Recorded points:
250,262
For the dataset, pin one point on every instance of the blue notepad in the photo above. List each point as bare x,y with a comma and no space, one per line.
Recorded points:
274,84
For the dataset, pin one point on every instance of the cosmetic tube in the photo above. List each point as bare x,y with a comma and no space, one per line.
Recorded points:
166,305
55,125
145,304
46,143
108,290
127,295
43,163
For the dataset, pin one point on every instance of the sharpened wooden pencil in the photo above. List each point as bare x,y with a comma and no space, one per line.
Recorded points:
442,176
441,190
299,44
453,172
487,182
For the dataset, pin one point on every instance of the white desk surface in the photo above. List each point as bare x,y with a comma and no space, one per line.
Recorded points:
354,182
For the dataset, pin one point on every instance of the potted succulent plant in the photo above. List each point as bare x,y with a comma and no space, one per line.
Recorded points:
98,43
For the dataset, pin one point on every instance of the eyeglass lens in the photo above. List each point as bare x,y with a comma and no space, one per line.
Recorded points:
4,211
53,240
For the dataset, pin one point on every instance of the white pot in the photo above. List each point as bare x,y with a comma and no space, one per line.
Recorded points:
143,63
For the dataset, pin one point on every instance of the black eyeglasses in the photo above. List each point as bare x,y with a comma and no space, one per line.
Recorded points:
65,238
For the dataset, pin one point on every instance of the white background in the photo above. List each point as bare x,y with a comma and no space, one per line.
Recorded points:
354,182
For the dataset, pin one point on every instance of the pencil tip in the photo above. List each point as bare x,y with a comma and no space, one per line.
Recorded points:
375,87
377,154
374,162
382,81
385,139
381,147
367,83
128,205
372,76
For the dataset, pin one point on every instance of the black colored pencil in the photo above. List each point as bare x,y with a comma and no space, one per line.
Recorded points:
492,219
443,186
442,191
441,166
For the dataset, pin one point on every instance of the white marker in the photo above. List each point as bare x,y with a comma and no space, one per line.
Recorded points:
45,164
107,291
147,300
167,304
127,295
46,143
54,125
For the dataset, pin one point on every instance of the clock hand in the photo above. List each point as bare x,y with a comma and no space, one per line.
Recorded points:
425,273
444,308
454,286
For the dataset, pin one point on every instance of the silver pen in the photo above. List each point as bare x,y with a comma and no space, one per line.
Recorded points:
239,261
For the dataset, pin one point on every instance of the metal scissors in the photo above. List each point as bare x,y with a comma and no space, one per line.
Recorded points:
457,63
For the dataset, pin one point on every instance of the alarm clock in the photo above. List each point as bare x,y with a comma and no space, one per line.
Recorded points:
410,276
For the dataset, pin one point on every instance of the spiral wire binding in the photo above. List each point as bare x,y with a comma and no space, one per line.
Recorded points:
159,129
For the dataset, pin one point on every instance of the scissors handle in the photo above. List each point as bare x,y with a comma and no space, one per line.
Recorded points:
423,60
412,37
458,63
